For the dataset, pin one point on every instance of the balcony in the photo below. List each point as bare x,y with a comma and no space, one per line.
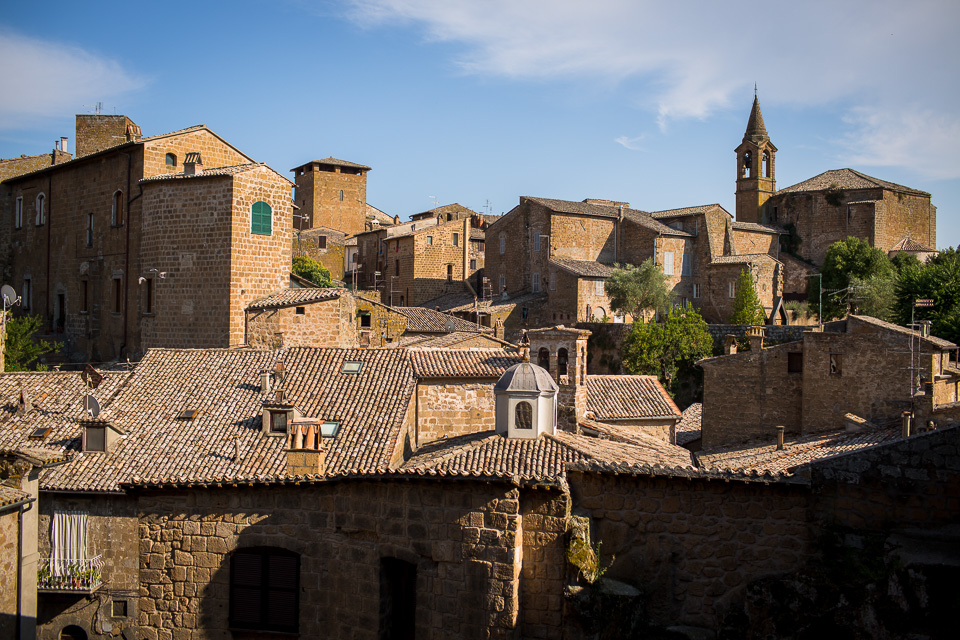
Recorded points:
59,575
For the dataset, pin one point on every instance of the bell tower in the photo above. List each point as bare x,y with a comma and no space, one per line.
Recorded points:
756,168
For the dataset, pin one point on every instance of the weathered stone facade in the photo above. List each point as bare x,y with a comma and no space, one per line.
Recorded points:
332,193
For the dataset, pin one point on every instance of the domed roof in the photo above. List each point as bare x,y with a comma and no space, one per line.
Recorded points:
525,376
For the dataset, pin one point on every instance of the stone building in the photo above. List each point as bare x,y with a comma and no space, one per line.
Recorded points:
136,238
853,371
332,193
417,261
829,207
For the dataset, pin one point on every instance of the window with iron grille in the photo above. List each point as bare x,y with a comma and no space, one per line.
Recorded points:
264,589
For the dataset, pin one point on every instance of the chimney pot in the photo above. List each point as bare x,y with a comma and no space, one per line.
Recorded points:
729,344
63,143
905,418
780,431
192,163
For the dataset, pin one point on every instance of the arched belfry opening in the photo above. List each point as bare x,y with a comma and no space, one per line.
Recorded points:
756,168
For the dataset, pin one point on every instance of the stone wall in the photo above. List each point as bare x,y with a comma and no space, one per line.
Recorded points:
774,333
111,533
9,569
464,538
332,196
214,152
327,323
13,167
450,408
98,132
692,546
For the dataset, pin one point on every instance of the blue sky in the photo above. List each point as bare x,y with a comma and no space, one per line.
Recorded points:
485,101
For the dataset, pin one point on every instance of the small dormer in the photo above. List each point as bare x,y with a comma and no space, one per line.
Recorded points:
526,402
100,435
278,416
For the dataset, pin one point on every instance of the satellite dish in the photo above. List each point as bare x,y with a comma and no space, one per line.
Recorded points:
9,295
449,326
91,406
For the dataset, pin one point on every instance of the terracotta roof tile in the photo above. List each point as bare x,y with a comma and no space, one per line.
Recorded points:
423,320
848,179
688,429
909,244
623,397
461,363
689,211
657,451
335,162
583,268
761,228
939,343
10,496
295,297
744,259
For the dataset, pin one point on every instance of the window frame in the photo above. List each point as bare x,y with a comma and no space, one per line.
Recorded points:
18,213
696,290
795,362
668,268
456,239
116,214
535,282
117,294
262,592
89,230
523,409
40,204
536,241
261,222
168,157
503,245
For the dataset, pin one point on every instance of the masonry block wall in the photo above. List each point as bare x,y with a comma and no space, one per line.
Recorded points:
329,323
544,574
12,167
693,546
98,132
332,196
9,570
112,533
464,539
756,242
214,151
450,408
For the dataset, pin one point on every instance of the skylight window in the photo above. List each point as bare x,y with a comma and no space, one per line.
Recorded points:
40,433
352,366
329,429
187,414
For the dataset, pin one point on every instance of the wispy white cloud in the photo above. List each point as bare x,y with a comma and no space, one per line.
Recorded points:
631,143
688,59
46,79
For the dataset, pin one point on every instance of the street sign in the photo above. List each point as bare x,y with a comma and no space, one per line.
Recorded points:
923,302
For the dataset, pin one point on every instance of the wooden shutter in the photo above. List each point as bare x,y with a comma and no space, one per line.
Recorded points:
260,218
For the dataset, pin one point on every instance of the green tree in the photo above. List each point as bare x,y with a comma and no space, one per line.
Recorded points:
635,290
873,296
939,280
307,267
746,305
668,349
850,258
22,350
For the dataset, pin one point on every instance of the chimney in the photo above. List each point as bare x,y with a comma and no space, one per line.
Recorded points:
63,143
780,431
729,344
755,334
265,377
305,455
192,163
925,329
905,418
498,330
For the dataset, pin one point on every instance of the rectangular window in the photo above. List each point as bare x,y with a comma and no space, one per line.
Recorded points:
535,282
599,287
89,229
449,273
18,214
301,311
352,366
481,246
503,284
794,362
398,598
685,268
684,303
396,267
456,239
278,422
364,320
536,241
553,281
668,263
696,289
148,296
732,289
118,295
26,298
84,297
503,245
322,242
473,265
119,608
429,240
836,364
116,216
265,589
95,439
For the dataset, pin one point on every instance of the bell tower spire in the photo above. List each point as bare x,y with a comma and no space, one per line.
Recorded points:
756,167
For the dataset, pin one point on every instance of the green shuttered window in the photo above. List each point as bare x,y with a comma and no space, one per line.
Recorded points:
260,218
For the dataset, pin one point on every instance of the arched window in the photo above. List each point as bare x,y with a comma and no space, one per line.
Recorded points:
260,218
747,165
524,416
116,219
543,358
341,195
41,209
562,362
171,160
765,160
264,589
72,632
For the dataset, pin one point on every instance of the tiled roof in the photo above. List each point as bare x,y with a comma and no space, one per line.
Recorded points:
335,162
909,244
646,220
756,130
583,208
210,173
294,297
753,226
743,259
461,363
623,397
223,386
796,452
10,496
688,429
449,340
660,451
423,320
848,179
464,302
583,268
689,211
939,343
543,459
39,456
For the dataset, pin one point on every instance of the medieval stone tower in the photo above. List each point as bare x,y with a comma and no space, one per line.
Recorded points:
331,193
563,352
756,168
